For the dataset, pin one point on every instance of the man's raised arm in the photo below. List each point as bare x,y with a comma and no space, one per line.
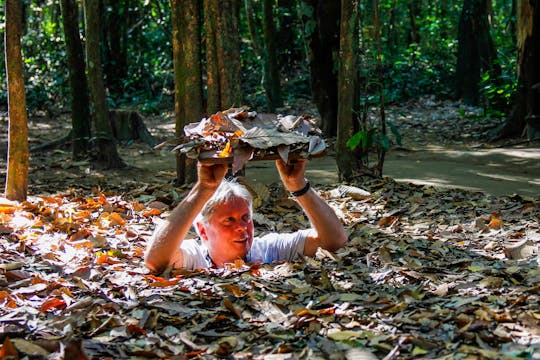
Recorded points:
164,248
329,232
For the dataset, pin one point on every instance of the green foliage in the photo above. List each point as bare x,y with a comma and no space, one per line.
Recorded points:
367,139
410,68
498,94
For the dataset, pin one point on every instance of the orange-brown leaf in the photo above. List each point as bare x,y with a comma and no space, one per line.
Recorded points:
388,221
7,300
53,303
8,349
116,219
151,212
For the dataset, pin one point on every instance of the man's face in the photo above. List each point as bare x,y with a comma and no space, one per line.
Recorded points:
229,232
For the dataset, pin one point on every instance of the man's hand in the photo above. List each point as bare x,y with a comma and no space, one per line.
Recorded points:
292,174
211,175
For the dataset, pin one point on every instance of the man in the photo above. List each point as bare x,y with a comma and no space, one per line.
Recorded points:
221,213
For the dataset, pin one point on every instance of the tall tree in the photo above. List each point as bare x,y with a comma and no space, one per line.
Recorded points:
115,31
18,151
266,49
271,78
107,154
476,50
526,112
213,102
187,73
346,159
80,102
228,53
321,31
222,54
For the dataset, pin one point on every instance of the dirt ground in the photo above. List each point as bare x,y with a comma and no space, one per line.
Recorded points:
443,145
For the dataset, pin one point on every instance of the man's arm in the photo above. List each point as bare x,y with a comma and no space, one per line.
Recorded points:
329,233
164,248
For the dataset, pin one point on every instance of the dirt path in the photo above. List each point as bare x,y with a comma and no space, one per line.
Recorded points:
498,171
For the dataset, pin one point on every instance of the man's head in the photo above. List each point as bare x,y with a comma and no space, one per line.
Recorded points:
225,223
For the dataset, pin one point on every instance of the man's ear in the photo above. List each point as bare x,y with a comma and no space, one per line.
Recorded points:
201,230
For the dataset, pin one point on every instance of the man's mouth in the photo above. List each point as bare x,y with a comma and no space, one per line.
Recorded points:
241,240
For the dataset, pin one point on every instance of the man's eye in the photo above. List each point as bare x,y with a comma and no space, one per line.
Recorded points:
246,218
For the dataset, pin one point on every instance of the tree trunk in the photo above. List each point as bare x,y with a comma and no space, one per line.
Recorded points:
107,155
414,11
213,101
228,54
80,103
321,31
348,77
476,51
271,74
290,53
188,83
393,31
115,46
525,116
18,151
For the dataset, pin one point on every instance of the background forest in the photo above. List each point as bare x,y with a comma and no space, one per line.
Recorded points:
419,44
344,57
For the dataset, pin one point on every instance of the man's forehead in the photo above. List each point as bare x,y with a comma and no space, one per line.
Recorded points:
236,203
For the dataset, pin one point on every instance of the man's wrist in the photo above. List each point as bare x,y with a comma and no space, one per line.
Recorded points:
302,191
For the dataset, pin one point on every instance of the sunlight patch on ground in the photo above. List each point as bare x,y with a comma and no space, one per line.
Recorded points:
521,179
531,153
436,183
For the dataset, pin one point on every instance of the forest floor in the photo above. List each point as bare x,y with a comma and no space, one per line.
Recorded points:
442,261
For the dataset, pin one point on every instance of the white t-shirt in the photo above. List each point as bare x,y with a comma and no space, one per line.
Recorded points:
266,249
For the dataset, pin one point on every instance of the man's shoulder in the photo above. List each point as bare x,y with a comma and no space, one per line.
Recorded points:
279,237
191,246
277,246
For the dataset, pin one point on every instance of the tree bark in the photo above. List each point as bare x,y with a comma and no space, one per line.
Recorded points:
18,151
271,74
188,77
107,155
476,51
115,44
526,112
213,101
414,11
348,76
80,102
228,54
321,32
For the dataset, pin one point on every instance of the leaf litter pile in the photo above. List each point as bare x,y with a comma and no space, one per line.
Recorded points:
237,136
427,273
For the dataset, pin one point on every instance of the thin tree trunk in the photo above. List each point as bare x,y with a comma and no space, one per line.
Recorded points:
476,52
381,152
115,31
107,155
18,151
273,86
80,102
228,54
187,64
348,77
414,10
526,112
213,102
322,38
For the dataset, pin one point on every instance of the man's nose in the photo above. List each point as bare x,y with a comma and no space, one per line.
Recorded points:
242,226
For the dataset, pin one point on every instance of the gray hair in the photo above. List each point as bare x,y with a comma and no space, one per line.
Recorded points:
227,190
